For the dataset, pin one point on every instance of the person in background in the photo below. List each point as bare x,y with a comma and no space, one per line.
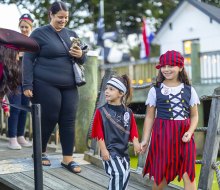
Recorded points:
170,122
11,42
17,119
48,79
5,107
113,127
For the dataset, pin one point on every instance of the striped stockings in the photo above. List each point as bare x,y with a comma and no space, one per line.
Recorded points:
119,171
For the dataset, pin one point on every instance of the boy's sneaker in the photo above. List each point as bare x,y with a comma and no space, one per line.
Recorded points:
23,142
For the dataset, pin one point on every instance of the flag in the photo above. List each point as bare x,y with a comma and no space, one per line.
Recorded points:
101,24
147,37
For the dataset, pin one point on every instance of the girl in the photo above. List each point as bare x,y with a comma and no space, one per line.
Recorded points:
17,119
114,126
172,116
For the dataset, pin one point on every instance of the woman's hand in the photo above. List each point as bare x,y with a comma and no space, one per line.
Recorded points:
28,93
76,51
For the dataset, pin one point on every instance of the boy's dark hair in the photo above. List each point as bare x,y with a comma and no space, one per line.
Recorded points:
183,78
126,81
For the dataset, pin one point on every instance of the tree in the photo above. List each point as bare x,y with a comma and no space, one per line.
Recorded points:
123,16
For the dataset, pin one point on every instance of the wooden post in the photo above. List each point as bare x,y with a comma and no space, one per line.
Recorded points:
195,62
87,98
211,145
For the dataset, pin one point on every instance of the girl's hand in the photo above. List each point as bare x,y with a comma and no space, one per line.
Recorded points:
76,51
187,137
144,146
7,114
28,93
105,154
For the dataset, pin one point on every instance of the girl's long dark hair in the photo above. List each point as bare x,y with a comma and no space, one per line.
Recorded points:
126,100
183,78
11,77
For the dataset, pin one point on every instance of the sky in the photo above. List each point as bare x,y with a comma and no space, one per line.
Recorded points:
9,16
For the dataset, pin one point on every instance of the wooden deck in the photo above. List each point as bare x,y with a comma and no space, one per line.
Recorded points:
17,172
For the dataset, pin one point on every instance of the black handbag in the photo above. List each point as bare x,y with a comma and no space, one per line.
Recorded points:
78,70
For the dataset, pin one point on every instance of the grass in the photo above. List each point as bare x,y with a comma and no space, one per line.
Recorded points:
134,161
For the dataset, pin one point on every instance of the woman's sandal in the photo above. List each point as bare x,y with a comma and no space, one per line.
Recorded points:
71,166
44,159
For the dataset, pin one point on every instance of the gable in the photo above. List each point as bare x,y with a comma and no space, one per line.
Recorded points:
188,22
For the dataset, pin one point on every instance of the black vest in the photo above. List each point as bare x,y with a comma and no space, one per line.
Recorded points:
163,104
116,126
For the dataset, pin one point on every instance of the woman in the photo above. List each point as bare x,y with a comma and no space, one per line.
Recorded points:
17,119
49,80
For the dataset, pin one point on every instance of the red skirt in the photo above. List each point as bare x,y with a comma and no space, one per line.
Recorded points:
168,155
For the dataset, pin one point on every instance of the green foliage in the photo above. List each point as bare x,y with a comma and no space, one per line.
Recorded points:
124,15
135,52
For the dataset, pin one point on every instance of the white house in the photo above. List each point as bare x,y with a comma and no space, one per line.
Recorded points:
191,20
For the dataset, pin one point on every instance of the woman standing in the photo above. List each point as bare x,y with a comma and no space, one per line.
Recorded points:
49,80
17,119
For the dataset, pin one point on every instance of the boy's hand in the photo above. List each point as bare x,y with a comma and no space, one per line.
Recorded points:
105,154
137,147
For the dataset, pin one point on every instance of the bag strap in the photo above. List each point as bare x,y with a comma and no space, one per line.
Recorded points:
64,43
62,40
108,116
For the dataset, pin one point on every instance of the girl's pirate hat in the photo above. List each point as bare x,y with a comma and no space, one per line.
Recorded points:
15,40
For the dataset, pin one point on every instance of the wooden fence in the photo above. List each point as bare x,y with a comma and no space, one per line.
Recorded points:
143,71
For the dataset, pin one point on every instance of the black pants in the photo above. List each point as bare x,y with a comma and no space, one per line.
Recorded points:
58,105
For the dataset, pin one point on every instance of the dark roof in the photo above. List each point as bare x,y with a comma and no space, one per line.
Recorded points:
212,11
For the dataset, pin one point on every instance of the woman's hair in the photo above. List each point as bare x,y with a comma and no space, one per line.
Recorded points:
56,7
11,77
26,18
126,81
183,78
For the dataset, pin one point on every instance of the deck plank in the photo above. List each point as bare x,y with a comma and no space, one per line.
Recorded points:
19,181
52,181
131,184
17,172
76,179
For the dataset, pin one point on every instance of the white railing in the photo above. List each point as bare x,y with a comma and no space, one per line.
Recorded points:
210,67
